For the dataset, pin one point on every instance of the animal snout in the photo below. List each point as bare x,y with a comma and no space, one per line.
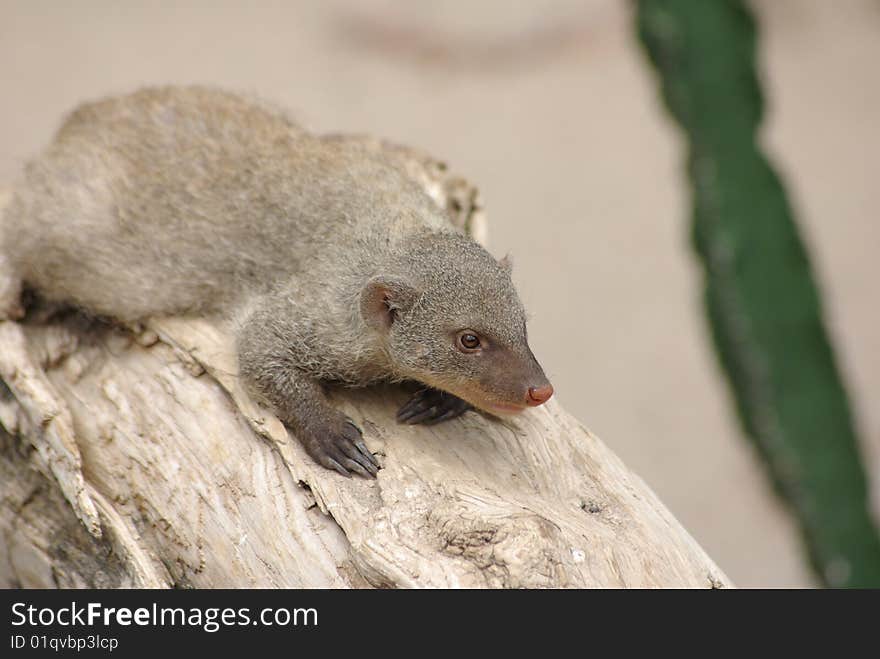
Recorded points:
540,395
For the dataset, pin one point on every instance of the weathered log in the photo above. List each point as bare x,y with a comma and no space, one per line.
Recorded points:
133,457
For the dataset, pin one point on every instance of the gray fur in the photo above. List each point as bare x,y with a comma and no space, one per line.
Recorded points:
334,264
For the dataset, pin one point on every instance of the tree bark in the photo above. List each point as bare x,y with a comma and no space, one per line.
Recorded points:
133,457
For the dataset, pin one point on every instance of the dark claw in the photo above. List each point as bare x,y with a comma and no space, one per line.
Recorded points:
332,464
356,450
366,452
354,454
448,414
352,432
369,466
415,405
342,448
356,468
431,406
423,415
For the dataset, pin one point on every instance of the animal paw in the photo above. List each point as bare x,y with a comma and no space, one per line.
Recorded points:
430,406
340,446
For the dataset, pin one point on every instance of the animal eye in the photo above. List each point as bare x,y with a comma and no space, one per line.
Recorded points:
468,341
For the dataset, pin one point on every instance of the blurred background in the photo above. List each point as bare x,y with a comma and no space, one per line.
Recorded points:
553,110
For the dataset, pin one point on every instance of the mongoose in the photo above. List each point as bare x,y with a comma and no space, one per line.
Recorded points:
333,265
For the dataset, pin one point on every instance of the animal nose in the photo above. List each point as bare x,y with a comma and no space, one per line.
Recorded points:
540,395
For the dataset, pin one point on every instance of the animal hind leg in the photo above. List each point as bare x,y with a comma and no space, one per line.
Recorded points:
10,291
10,281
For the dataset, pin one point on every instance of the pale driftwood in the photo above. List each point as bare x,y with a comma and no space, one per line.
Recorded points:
147,438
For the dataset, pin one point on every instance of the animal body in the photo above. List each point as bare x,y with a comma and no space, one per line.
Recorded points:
334,265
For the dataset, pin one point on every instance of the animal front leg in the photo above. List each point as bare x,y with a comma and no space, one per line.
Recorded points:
430,406
270,370
330,437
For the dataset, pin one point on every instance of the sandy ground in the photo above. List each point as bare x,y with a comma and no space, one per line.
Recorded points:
551,109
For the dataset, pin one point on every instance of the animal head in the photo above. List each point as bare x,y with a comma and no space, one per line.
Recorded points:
455,322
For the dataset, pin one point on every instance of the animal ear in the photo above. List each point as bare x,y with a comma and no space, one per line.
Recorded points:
383,297
506,262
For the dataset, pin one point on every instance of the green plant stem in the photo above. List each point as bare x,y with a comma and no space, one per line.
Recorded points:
763,306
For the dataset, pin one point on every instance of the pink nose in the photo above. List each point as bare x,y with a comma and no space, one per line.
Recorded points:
540,395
